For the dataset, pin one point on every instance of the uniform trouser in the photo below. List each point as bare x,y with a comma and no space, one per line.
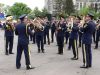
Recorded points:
20,49
52,35
74,47
66,36
97,39
46,34
87,54
60,42
39,40
34,37
9,42
69,46
94,36
80,40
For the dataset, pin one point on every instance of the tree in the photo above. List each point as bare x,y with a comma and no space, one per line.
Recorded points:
65,6
84,11
18,9
44,12
37,12
59,4
68,6
1,7
7,10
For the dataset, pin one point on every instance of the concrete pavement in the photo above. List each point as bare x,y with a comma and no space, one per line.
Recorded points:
49,63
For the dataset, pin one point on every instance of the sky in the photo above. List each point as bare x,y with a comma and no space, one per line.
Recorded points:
31,3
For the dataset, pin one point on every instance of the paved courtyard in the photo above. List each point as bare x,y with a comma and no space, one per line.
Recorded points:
49,63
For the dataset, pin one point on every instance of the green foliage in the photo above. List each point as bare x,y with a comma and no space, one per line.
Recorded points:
19,8
44,12
7,10
84,11
68,6
65,6
36,12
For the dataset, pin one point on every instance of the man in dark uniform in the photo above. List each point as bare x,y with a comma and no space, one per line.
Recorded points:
23,40
46,31
60,36
74,36
9,34
39,30
53,29
88,29
97,34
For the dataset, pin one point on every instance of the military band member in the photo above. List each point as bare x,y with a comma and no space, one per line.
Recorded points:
88,29
23,32
60,35
9,34
46,31
73,38
53,29
97,34
39,29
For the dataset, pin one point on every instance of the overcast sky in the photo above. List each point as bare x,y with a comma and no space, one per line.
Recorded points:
30,3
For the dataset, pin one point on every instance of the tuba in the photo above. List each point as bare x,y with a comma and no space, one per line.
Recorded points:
38,24
9,23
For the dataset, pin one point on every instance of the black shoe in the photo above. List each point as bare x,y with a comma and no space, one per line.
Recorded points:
60,53
69,49
6,53
79,46
86,67
49,43
96,48
11,53
38,50
18,67
74,58
29,67
42,50
44,43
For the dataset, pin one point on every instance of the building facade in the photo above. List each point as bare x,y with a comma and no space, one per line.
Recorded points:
49,5
82,3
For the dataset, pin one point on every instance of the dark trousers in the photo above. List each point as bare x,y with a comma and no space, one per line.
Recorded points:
87,54
34,38
60,42
39,40
74,47
69,46
20,49
9,43
52,35
80,40
94,33
97,39
66,36
46,35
